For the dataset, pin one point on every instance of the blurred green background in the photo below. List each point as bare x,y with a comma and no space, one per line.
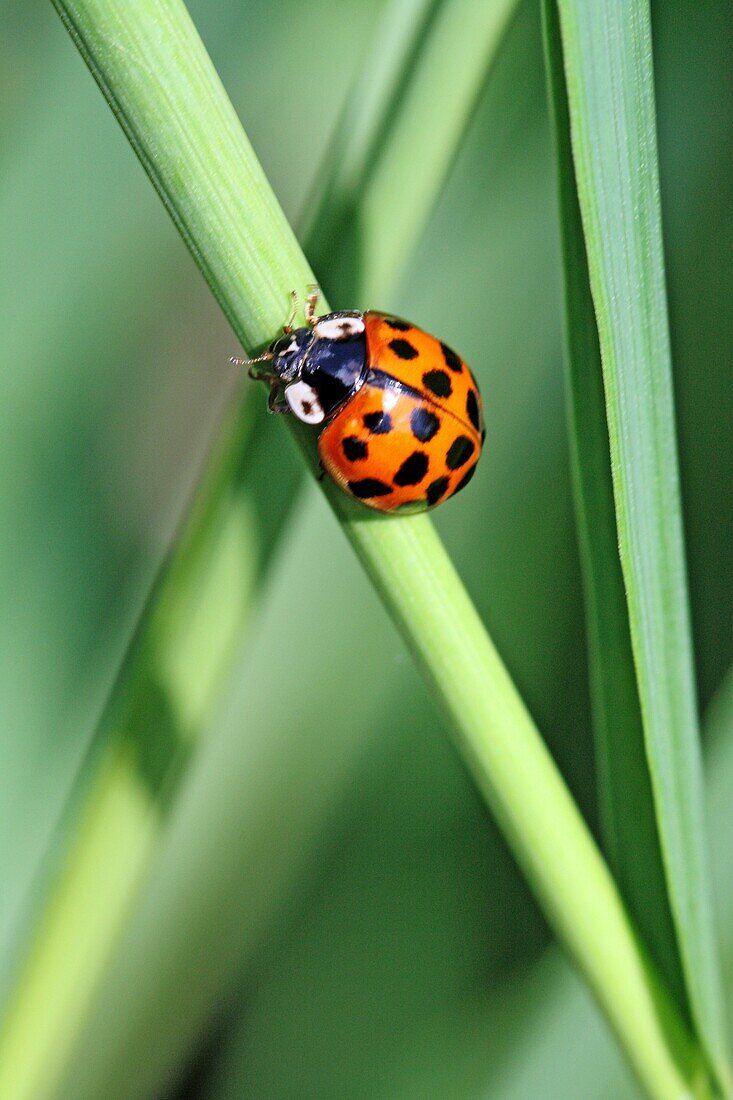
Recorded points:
402,954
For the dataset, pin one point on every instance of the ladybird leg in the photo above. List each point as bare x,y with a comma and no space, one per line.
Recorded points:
273,403
311,302
321,472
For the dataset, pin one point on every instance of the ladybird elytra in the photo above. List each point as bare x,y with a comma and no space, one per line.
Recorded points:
400,414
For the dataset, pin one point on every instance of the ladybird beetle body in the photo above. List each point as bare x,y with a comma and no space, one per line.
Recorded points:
401,415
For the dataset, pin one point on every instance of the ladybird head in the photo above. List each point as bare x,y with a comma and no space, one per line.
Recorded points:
288,354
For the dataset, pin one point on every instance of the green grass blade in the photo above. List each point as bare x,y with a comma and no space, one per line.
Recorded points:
608,63
157,77
364,230
159,707
631,839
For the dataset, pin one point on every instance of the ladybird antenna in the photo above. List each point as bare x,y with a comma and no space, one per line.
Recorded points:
239,361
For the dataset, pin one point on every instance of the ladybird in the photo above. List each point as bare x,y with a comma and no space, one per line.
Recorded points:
400,413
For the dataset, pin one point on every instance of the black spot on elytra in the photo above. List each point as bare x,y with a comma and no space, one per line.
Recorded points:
438,382
399,326
451,358
404,349
354,449
436,490
412,470
459,452
472,408
465,479
368,487
378,423
424,424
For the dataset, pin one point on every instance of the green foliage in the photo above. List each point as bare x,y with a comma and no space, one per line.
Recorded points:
319,876
624,788
608,61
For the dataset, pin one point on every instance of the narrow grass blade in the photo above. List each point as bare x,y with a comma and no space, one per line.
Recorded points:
152,67
424,74
608,63
183,648
631,840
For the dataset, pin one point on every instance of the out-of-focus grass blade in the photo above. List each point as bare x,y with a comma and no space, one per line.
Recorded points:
608,63
163,697
403,143
719,771
195,615
631,839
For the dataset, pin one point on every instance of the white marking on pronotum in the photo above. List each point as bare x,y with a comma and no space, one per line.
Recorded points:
339,328
303,400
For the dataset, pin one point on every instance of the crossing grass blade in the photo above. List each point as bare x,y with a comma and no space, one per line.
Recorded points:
608,65
197,610
403,143
631,839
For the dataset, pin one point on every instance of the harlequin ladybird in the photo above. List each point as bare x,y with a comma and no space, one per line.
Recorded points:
401,415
